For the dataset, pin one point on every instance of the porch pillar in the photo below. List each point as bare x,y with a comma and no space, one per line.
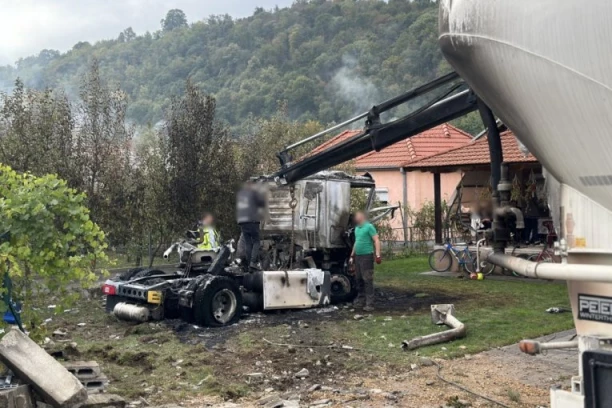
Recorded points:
437,209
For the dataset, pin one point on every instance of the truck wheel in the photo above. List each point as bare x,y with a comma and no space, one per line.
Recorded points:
217,302
127,275
147,272
343,288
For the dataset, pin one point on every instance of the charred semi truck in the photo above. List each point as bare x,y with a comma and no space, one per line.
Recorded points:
307,241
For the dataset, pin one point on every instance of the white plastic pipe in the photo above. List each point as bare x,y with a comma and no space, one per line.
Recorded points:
547,270
534,347
456,331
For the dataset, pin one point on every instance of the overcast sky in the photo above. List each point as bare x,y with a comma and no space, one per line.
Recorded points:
28,26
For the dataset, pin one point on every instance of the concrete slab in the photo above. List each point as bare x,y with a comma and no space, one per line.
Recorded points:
33,365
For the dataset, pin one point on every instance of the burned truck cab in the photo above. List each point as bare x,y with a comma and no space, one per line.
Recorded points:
308,225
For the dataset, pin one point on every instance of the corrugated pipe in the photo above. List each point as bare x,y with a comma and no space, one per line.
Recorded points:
546,270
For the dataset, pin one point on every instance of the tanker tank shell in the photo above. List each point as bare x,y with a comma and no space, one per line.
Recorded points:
545,68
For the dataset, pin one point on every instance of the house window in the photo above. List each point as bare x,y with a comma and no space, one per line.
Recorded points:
382,195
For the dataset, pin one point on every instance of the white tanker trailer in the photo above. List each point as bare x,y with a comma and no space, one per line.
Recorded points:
545,68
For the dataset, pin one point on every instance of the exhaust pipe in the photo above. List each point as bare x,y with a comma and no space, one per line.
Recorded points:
130,312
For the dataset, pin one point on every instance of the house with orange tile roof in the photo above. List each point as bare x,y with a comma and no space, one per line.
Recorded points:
410,189
472,161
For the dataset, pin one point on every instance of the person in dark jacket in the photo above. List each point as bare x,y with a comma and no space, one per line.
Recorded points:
250,204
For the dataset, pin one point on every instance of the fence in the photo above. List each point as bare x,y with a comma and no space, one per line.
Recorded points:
417,241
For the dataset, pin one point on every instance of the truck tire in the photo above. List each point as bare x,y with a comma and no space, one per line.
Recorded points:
127,275
143,273
343,288
217,302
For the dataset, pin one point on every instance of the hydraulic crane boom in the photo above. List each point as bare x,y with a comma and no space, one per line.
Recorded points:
377,135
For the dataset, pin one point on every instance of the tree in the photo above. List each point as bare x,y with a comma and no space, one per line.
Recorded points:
263,138
175,18
103,142
199,157
53,244
129,34
36,132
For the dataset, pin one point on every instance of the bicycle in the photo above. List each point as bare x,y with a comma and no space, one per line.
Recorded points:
441,260
545,255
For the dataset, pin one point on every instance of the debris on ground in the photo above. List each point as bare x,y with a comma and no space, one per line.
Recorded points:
89,374
104,401
18,396
440,315
34,366
303,373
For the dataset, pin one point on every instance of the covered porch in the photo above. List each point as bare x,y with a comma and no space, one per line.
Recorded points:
463,214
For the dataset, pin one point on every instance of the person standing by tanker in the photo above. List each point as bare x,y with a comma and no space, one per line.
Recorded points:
250,204
366,251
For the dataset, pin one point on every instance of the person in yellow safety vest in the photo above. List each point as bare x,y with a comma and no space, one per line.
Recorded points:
209,240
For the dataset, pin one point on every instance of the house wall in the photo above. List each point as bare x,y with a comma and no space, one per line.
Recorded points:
420,190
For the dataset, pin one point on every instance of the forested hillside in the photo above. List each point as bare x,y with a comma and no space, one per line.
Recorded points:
327,59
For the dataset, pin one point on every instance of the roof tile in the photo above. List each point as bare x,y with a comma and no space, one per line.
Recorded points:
425,144
476,152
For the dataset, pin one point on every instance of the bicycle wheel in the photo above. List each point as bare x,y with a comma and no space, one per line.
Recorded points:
543,256
522,256
486,268
440,260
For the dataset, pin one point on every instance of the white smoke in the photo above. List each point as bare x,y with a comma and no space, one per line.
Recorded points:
350,86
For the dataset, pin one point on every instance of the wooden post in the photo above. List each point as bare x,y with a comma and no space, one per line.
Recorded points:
437,209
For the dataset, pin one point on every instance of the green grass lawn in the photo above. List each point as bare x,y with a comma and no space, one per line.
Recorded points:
496,313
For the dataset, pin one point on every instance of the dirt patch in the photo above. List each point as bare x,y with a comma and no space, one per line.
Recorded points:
393,301
410,301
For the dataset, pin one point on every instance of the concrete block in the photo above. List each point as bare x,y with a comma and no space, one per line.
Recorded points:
103,401
83,370
33,365
94,385
19,397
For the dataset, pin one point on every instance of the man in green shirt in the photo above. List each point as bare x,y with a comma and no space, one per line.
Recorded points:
366,250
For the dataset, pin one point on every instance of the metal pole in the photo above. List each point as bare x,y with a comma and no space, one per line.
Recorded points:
326,131
437,209
405,204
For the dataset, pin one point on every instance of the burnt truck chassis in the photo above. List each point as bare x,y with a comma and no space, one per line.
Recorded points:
318,231
211,290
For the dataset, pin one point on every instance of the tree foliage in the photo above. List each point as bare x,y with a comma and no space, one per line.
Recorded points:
145,190
175,18
199,159
53,242
327,59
